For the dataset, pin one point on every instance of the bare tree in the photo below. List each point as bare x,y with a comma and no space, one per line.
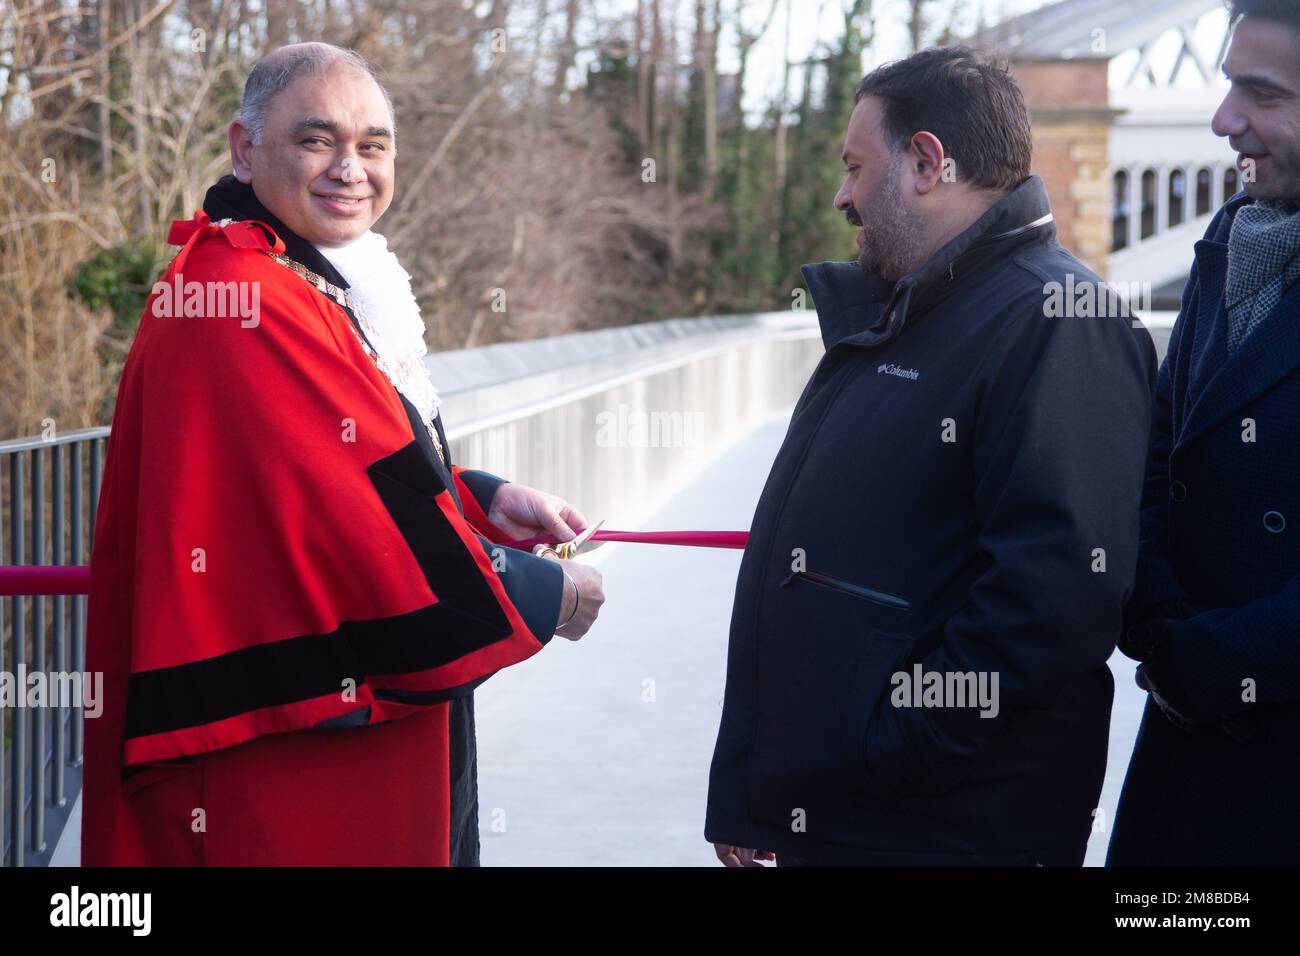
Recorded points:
520,210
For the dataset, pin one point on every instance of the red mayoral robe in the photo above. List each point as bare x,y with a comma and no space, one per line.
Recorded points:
290,593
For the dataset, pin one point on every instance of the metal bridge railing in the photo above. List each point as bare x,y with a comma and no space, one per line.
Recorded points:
514,405
49,489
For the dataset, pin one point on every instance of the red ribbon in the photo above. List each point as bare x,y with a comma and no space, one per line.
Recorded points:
49,579
75,579
689,539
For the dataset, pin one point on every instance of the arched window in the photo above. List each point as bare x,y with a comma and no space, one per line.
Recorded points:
1119,211
1148,228
1177,197
1204,192
1230,182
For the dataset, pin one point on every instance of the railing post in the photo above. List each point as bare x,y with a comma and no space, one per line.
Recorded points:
92,511
78,600
57,519
17,766
39,714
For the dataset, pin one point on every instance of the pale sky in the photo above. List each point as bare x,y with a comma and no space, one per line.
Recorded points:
819,21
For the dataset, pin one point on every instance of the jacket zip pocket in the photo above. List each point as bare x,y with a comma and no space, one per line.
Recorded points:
856,590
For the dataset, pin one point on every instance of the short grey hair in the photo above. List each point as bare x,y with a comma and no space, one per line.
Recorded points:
270,78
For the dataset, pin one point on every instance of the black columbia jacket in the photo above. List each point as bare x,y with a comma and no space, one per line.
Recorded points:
957,496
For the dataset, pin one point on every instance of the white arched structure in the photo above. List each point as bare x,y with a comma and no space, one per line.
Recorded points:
1165,82
1168,88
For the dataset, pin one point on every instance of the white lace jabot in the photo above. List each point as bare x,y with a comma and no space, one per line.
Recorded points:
381,289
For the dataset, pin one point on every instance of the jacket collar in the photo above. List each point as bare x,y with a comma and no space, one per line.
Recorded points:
1230,209
1221,382
228,198
859,309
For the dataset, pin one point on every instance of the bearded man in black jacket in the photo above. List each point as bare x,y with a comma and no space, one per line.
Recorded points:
938,563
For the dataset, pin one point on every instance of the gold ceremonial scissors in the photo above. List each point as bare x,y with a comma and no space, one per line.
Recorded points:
568,550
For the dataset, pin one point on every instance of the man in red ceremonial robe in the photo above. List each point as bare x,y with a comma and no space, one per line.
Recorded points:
294,591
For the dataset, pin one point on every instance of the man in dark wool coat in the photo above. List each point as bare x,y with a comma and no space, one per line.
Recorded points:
1215,614
939,561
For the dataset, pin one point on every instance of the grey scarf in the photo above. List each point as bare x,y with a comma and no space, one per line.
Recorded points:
1263,262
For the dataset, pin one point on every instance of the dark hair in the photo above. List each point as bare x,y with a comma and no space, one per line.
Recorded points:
1286,10
970,102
